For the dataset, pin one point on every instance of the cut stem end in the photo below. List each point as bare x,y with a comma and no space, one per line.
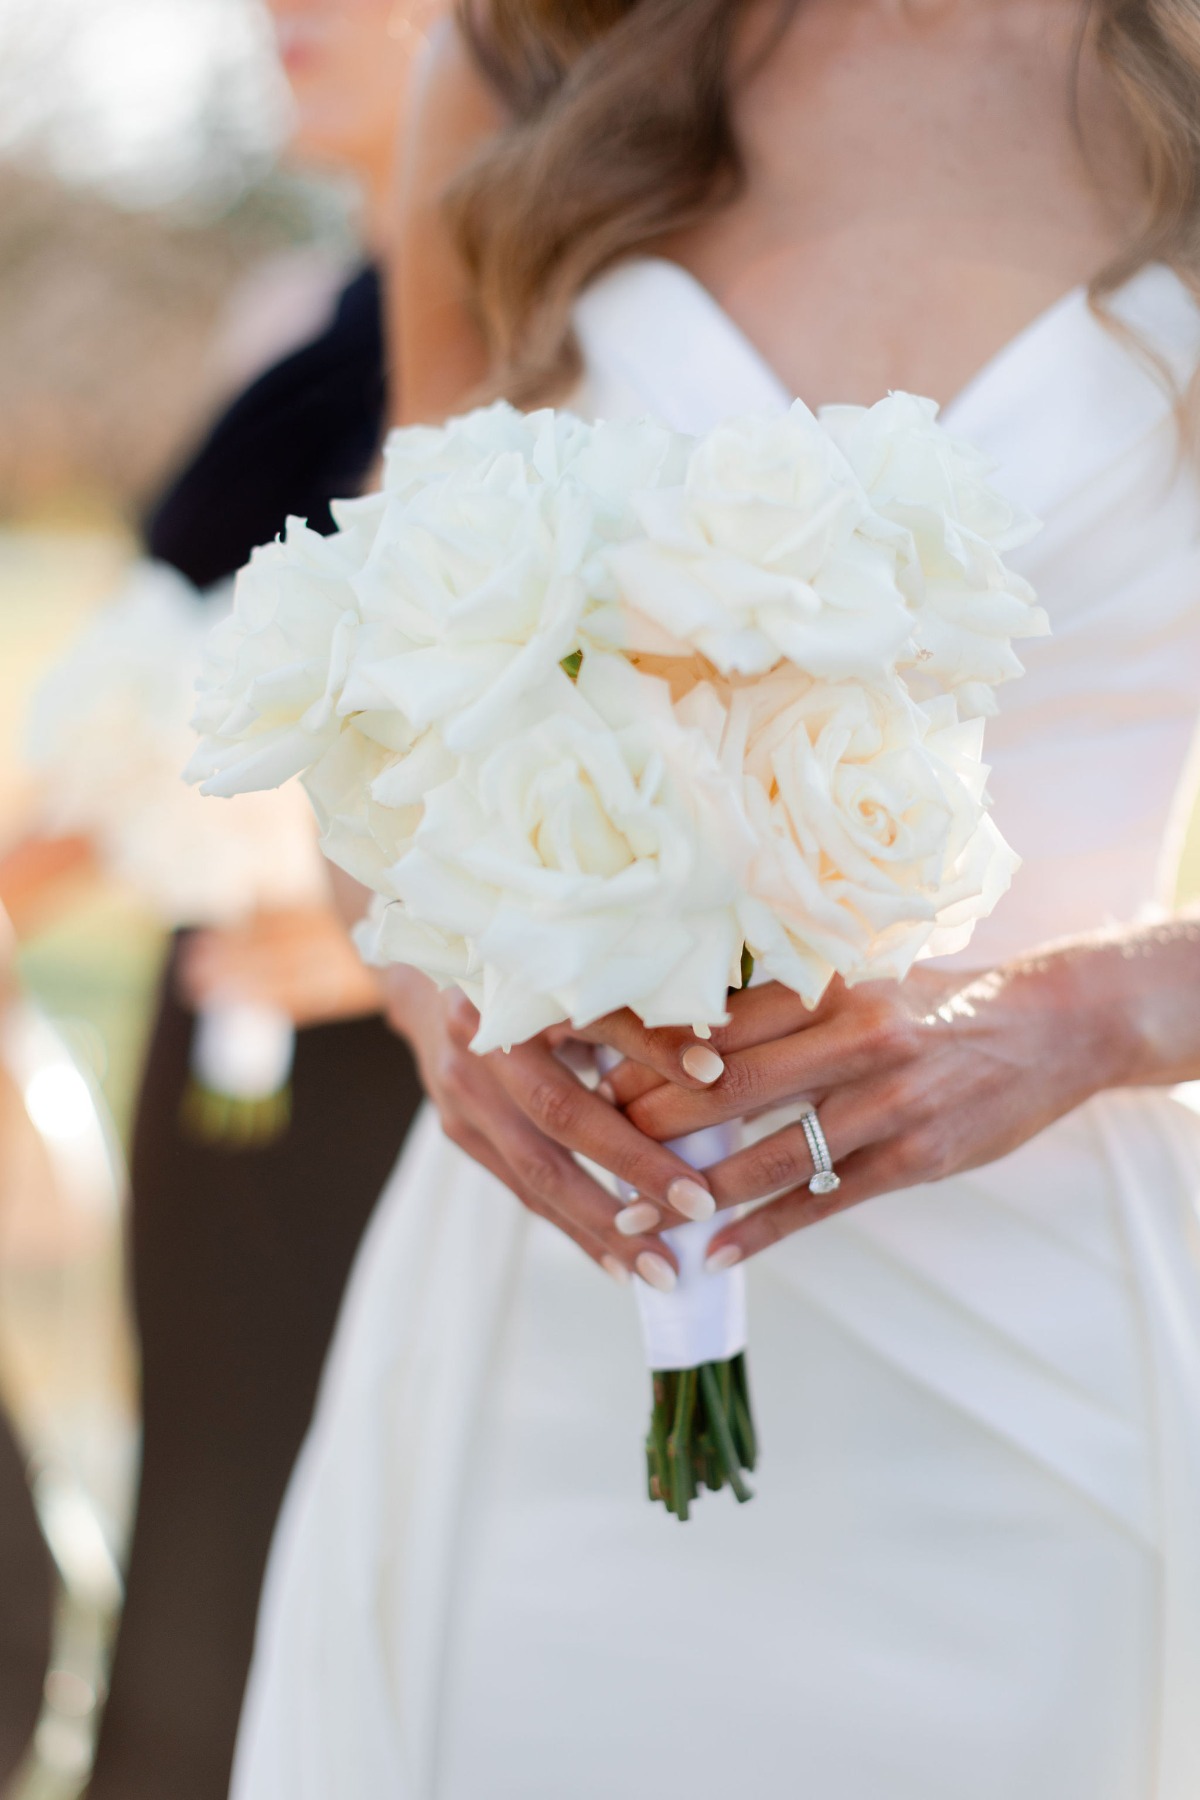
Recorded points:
701,1434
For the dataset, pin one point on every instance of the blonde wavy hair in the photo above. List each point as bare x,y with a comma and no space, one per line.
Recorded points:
622,132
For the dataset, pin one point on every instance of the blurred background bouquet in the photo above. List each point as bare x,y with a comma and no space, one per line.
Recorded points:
108,738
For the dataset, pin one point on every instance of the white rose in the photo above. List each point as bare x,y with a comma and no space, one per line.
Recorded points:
768,551
369,800
869,814
590,861
472,595
481,573
388,934
275,668
416,457
968,605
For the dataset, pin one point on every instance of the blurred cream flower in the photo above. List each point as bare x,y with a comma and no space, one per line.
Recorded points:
108,735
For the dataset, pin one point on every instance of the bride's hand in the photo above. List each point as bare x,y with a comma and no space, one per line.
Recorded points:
914,1081
525,1116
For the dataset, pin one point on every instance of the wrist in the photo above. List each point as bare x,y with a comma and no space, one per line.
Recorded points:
1094,997
1069,1021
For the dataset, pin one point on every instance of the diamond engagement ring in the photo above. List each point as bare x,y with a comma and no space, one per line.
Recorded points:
825,1178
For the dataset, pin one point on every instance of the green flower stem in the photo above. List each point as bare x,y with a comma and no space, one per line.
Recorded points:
701,1434
656,1448
679,1444
710,1381
743,1417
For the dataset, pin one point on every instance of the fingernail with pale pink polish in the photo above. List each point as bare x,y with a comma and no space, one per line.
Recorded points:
617,1270
702,1064
608,1092
727,1257
639,1217
690,1199
656,1272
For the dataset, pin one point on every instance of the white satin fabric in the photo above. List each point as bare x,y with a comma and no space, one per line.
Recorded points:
972,1571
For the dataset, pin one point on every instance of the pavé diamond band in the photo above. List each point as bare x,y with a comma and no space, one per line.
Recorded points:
825,1179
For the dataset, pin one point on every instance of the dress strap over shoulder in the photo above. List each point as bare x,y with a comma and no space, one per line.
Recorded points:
1076,390
655,342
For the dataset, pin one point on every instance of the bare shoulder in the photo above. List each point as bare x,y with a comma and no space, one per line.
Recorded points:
440,356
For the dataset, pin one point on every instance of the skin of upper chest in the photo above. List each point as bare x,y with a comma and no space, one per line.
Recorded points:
924,177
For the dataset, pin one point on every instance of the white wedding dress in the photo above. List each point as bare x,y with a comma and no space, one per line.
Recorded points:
972,1569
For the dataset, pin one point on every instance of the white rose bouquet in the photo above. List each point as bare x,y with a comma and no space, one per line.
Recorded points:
108,734
610,717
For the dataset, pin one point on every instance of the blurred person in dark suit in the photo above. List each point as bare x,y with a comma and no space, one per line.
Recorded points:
239,1256
26,1582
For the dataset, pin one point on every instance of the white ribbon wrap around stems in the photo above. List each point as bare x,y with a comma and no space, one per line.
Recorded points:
243,1051
704,1320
